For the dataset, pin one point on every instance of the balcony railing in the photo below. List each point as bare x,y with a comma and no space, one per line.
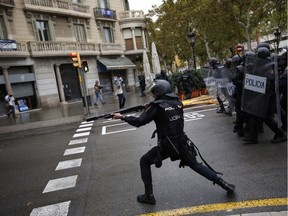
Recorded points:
48,48
52,48
53,6
133,14
10,3
22,51
104,14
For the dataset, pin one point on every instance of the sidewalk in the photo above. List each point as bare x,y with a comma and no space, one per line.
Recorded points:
66,114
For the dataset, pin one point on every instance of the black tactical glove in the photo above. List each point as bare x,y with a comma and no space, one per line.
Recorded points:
182,164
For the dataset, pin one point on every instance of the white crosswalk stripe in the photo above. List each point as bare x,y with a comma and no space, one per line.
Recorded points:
85,122
86,125
81,134
69,164
83,129
58,209
74,151
60,184
78,141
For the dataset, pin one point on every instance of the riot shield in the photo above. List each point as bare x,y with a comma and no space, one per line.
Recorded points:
209,80
258,83
221,76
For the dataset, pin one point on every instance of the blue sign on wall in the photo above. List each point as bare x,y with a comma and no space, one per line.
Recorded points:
8,45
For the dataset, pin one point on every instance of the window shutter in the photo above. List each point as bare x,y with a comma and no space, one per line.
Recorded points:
51,30
35,30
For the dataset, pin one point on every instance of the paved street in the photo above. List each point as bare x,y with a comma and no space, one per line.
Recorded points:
93,169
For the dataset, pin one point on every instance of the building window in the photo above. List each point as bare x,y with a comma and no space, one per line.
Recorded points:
108,35
103,4
126,5
42,30
3,32
127,35
79,31
138,38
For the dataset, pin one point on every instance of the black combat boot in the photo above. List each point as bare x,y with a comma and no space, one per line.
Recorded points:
230,188
148,197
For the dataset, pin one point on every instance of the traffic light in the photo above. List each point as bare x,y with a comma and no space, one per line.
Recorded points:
76,59
85,66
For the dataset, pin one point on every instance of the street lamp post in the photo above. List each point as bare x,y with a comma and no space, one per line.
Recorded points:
191,37
277,35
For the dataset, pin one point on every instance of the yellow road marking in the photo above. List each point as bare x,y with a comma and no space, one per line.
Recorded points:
221,207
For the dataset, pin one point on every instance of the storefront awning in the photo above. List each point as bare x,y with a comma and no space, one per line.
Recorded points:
116,63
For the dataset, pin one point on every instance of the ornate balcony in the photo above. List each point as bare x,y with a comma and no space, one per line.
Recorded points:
7,3
130,19
49,48
22,51
61,7
111,49
105,14
133,14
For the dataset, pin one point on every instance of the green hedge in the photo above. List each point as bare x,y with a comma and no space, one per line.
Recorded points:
174,78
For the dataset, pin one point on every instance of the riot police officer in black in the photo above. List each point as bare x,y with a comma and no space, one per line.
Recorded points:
187,81
167,113
253,121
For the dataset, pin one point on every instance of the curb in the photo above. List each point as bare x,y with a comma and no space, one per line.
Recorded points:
41,124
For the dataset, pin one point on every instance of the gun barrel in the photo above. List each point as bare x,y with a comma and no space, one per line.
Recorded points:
122,111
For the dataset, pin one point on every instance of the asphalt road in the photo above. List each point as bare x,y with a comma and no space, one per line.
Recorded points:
108,180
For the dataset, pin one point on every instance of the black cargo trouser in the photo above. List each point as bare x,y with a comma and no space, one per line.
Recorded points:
152,157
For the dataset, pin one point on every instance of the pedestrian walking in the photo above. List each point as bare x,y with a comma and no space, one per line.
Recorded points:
142,84
118,81
98,93
167,113
11,102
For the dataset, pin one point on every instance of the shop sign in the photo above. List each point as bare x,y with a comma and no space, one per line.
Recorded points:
8,45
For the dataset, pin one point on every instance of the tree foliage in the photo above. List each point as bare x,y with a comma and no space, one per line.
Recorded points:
219,26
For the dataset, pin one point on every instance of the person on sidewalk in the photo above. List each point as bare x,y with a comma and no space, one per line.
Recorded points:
11,102
142,84
118,81
167,113
98,94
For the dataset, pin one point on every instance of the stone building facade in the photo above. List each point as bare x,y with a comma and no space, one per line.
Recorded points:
37,36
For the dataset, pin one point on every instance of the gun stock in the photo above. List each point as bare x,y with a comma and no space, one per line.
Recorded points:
121,111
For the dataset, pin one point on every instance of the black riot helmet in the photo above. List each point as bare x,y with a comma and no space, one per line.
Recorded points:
236,60
213,62
263,44
228,63
248,54
263,53
160,88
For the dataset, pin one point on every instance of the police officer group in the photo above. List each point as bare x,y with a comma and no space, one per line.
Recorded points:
253,108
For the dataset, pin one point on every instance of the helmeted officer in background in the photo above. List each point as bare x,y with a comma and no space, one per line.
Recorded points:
237,79
162,75
215,65
187,81
167,113
252,120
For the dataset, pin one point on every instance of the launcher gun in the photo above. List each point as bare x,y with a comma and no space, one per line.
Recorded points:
121,111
